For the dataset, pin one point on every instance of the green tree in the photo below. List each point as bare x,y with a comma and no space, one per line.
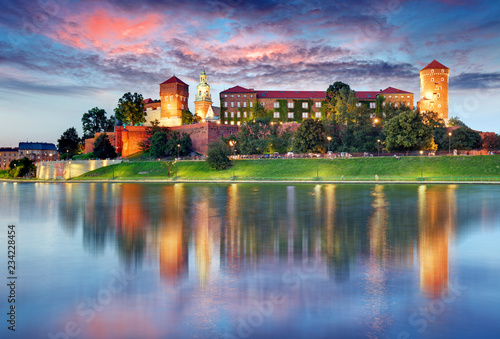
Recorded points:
464,138
334,90
310,137
280,138
188,117
360,135
218,155
407,131
22,168
150,131
95,121
130,110
252,137
456,122
491,141
68,144
159,145
103,148
258,111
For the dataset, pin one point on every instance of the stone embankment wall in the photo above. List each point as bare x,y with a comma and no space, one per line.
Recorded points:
69,169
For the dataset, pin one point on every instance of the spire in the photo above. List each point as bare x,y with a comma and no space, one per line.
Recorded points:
203,71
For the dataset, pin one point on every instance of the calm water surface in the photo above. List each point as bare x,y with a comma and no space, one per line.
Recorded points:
120,261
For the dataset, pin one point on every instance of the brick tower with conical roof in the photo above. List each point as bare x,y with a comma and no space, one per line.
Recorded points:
434,89
174,95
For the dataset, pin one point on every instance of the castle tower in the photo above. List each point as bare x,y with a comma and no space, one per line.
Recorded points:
434,89
174,95
203,99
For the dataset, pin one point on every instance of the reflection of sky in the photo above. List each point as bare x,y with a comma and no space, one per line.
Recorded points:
345,260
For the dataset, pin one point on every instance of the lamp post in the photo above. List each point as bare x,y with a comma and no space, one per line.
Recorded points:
178,151
449,143
232,143
378,146
421,166
329,138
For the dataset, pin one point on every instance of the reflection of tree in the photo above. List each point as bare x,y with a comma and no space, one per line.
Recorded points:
69,205
98,219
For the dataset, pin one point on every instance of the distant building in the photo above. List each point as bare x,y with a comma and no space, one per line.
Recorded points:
434,89
38,151
7,154
289,106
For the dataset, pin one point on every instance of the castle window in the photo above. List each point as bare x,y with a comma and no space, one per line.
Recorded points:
232,103
372,105
358,104
238,123
442,71
442,79
238,104
276,115
432,71
383,104
408,97
251,96
238,114
318,104
171,97
432,79
318,115
168,106
290,115
407,104
225,104
244,95
290,105
244,114
439,105
225,95
439,95
182,106
232,95
245,104
305,105
199,93
238,95
232,114
251,104
276,105
305,115
440,87
225,114
232,122
225,122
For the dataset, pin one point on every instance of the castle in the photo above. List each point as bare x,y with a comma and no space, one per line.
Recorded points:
286,106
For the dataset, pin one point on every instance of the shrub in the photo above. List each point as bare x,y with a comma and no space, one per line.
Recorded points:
218,155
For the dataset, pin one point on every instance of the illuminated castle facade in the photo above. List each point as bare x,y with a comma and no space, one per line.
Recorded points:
434,89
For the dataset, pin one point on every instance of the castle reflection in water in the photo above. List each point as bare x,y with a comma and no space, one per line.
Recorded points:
235,228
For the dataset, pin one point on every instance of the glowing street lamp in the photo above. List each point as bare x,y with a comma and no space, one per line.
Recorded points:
178,151
329,138
378,146
421,166
232,143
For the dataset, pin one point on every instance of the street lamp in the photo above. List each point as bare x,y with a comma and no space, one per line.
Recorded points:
378,146
329,138
178,151
376,120
449,143
232,143
421,166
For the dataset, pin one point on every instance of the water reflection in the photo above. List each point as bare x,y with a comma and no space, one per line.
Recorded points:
209,254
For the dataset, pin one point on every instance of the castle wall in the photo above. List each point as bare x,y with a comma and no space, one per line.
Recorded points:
51,170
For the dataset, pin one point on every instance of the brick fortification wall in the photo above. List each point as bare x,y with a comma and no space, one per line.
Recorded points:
126,139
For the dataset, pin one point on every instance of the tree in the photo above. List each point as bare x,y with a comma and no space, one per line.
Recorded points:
68,144
279,138
218,155
103,148
491,141
95,121
456,122
464,138
188,118
407,131
159,145
151,130
22,168
360,135
333,91
253,136
130,110
310,137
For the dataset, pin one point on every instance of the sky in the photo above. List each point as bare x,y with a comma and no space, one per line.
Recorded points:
60,58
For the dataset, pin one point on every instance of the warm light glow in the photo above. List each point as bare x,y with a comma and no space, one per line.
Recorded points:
421,152
449,134
329,138
376,121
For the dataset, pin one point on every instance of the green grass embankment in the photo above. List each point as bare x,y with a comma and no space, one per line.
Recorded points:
386,168
3,174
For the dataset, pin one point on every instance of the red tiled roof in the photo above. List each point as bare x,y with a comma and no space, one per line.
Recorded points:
148,101
174,80
366,95
238,89
291,94
392,90
434,65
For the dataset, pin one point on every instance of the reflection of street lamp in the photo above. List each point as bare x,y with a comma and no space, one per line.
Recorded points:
421,166
378,146
329,138
449,143
178,151
232,143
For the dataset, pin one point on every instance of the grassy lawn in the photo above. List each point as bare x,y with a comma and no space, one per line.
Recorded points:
407,168
3,174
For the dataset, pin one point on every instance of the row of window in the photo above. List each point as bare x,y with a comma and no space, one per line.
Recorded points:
170,107
402,96
171,98
275,105
238,95
442,79
276,115
432,71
